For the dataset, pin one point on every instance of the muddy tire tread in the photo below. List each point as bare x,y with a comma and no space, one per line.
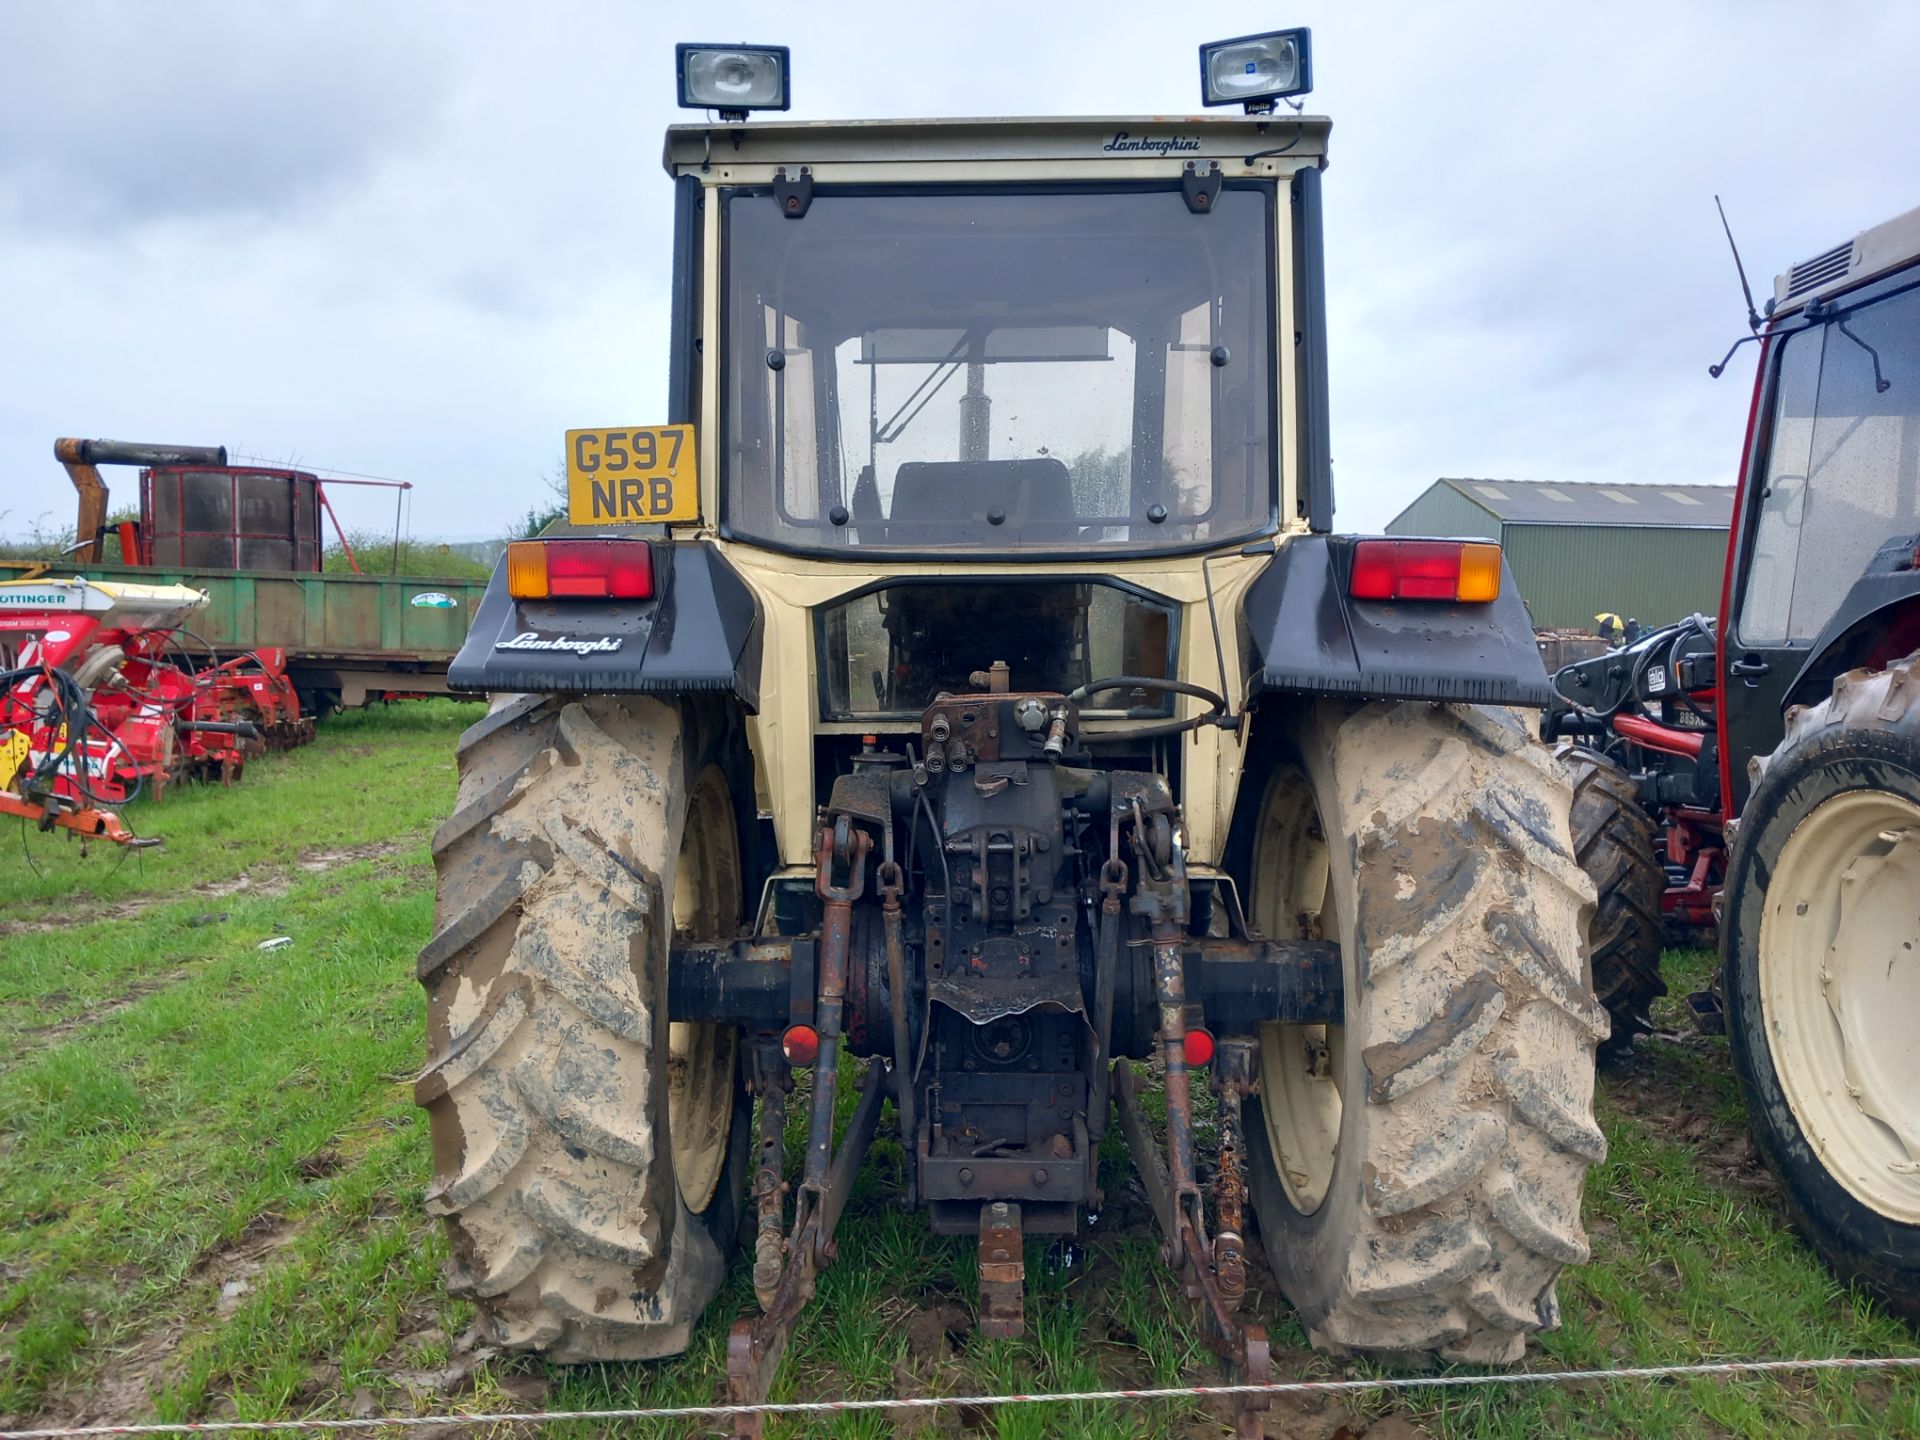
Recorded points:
1471,1202
1617,845
542,1066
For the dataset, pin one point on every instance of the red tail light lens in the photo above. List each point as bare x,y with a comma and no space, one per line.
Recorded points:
1425,570
580,569
1199,1049
800,1044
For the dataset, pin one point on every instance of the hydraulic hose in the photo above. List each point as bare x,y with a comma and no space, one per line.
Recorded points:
1215,714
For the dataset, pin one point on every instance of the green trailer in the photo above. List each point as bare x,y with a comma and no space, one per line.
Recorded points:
348,638
251,537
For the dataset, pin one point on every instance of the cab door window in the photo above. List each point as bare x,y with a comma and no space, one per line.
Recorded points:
1843,473
1776,533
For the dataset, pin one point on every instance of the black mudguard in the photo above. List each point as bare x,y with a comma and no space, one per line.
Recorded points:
1307,635
700,632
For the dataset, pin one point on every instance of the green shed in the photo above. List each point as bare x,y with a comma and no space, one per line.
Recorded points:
1653,553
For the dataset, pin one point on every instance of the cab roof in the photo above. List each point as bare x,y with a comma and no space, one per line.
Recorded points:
1871,253
1078,140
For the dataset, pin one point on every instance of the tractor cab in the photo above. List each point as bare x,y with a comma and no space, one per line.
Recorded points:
976,388
1823,575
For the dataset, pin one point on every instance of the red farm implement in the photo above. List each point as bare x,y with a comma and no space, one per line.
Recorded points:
1649,706
99,702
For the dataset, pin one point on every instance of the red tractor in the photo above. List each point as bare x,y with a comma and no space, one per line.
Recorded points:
1792,729
97,703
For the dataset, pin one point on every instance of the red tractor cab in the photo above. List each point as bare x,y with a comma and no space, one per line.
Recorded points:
1778,749
1818,733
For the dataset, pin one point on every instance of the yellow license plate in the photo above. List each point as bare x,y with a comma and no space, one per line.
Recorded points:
632,475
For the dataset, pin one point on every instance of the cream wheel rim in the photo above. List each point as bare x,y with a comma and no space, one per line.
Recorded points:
701,1058
1840,992
1300,1065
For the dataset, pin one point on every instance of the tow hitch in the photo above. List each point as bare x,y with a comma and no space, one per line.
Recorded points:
998,1016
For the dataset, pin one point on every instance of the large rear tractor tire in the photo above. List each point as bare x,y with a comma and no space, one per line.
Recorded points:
589,1156
1614,839
1417,1169
1820,946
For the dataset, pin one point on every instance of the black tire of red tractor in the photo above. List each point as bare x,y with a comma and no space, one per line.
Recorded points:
1466,1130
1615,840
547,1080
1865,736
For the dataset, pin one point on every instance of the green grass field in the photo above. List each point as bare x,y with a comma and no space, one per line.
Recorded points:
210,1170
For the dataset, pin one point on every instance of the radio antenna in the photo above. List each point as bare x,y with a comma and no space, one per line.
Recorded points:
1753,315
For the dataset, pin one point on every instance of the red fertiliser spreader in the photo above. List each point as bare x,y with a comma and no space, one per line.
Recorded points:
100,701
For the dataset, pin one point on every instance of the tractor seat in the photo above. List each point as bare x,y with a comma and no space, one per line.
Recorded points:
954,492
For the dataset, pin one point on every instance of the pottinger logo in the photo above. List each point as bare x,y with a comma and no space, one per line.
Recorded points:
37,599
1124,143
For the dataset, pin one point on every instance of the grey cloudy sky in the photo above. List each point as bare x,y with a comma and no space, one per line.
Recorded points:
421,240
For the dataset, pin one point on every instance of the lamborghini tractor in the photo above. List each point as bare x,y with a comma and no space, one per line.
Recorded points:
969,679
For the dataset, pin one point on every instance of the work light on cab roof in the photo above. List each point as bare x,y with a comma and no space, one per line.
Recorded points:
1256,70
1249,70
733,79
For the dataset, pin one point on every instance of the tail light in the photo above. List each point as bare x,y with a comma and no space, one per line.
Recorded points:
580,570
800,1044
1425,570
1198,1047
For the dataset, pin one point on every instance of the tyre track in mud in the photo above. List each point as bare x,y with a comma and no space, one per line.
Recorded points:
263,881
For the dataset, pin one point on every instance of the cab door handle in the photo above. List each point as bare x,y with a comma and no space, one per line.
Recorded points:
1750,667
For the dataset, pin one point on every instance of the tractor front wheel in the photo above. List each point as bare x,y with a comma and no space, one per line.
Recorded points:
589,1156
1417,1168
1820,947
